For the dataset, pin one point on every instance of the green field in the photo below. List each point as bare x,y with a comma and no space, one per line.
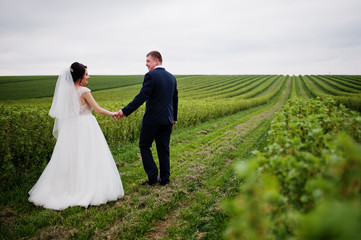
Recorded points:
223,120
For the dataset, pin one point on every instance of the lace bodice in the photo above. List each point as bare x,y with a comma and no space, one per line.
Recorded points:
84,109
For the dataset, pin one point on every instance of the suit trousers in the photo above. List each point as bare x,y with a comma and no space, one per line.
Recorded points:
161,135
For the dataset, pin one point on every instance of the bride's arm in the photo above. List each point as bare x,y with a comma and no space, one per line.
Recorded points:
91,101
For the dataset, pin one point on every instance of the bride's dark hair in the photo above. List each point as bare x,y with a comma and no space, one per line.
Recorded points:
77,70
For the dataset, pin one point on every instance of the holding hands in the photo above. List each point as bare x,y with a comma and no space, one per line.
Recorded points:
118,115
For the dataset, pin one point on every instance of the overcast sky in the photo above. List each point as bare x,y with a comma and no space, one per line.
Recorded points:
39,37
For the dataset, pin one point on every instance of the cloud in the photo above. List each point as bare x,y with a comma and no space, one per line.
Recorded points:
204,37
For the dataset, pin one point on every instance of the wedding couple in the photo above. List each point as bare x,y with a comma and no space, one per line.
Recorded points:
82,171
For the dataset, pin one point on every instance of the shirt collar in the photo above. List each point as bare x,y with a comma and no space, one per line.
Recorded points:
159,66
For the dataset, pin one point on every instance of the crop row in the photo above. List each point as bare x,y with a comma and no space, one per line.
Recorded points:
206,89
332,89
249,90
294,86
189,85
351,79
315,88
342,86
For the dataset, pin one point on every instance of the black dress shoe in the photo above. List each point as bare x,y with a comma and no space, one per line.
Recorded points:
163,183
147,182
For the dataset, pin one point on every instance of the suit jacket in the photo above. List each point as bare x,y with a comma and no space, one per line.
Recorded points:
161,95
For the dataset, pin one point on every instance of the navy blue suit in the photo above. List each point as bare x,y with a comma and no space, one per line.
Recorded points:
160,93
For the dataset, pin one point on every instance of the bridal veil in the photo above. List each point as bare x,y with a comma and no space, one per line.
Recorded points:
66,102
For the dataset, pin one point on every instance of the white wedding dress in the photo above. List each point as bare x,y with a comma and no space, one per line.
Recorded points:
81,171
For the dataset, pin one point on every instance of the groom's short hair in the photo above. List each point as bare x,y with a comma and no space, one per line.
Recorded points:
156,55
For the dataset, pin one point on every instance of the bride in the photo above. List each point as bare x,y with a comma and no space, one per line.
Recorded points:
82,170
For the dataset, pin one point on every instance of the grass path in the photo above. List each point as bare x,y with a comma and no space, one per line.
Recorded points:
202,178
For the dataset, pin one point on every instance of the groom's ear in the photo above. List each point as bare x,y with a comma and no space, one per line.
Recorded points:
158,61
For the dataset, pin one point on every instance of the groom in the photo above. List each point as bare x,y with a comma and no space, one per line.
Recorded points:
160,93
